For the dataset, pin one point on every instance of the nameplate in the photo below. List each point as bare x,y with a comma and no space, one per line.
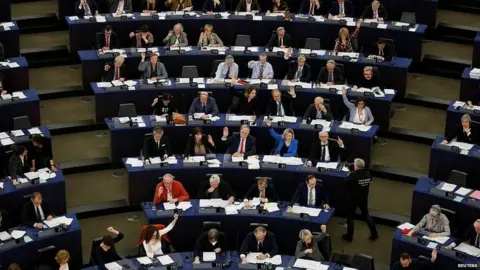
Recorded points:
354,130
313,55
163,213
291,214
280,18
121,125
181,51
151,166
310,169
195,122
346,57
186,16
250,211
155,17
249,17
332,90
92,19
281,123
217,16
23,185
214,51
274,165
367,94
15,98
211,210
123,18
280,53
263,86
374,24
228,85
202,265
207,121
194,84
298,87
247,52
306,126
378,60
476,111
158,85
409,239
405,27
191,164
342,22
47,232
247,266
311,19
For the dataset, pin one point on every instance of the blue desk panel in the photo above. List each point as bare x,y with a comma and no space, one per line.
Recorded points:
407,44
468,86
11,40
5,11
15,79
476,52
29,106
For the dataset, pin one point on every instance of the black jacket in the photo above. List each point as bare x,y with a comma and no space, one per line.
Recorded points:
358,185
209,6
161,109
274,42
286,101
15,166
348,6
306,72
204,245
335,151
462,136
190,148
233,143
2,52
269,245
243,107
337,76
314,245
224,191
41,155
81,12
469,236
305,8
100,41
373,82
242,6
153,149
301,195
102,257
270,193
387,51
311,113
29,214
368,13
416,264
110,73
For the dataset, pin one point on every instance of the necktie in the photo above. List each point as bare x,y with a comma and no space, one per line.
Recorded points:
86,9
477,243
310,197
299,73
203,107
375,14
281,42
279,109
342,9
260,246
312,9
260,74
116,76
107,41
380,52
319,114
241,146
158,144
322,156
39,216
330,76
262,194
227,75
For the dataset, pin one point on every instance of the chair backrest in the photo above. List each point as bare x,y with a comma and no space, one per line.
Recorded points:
376,72
233,107
215,66
46,257
27,198
21,122
452,218
189,72
362,262
145,137
207,225
243,40
341,258
269,180
127,110
342,69
408,17
159,227
325,246
458,178
5,219
256,224
313,44
354,42
4,162
93,255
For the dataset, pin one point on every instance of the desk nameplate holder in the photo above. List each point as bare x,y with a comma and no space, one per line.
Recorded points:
247,266
274,165
211,210
442,193
163,213
46,232
21,139
23,185
412,240
195,122
148,165
126,264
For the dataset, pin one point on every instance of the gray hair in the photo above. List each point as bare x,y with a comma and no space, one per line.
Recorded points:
466,117
214,178
476,223
368,68
331,62
178,25
304,233
168,175
302,57
158,130
319,99
359,163
229,58
259,229
376,2
245,126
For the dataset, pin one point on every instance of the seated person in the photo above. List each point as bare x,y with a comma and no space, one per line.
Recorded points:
286,144
331,74
318,110
62,259
227,69
179,5
216,189
341,8
18,164
369,80
35,212
121,7
261,189
210,241
40,156
278,6
248,6
169,190
261,69
116,70
299,71
324,151
152,6
241,145
107,40
165,107
307,246
381,49
375,11
106,251
152,69
86,8
465,133
203,104
279,39
310,193
433,224
14,266
152,243
260,240
359,113
176,37
142,39
4,225
344,41
311,7
210,6
208,38
247,102
157,145
199,144
281,103
471,236
406,262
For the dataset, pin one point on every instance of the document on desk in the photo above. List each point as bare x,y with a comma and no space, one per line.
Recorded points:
113,266
461,145
350,54
432,245
231,210
6,97
458,199
57,221
382,26
31,175
475,195
308,264
35,130
124,120
137,119
253,165
463,191
22,180
470,250
199,80
130,83
439,239
104,84
405,225
17,133
5,236
272,207
195,159
184,205
389,91
100,19
165,260
448,187
313,212
348,125
171,160
322,122
144,260
117,83
209,256
272,86
302,84
169,206
327,165
6,142
155,160
17,234
2,184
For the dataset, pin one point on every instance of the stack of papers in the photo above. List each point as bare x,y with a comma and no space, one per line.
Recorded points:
134,162
307,264
439,239
275,14
31,175
18,133
463,191
113,266
195,159
237,159
475,195
6,142
209,256
104,84
22,180
124,120
214,163
241,117
475,73
57,221
231,209
278,49
271,207
389,91
144,260
5,236
286,119
258,81
237,48
461,145
213,203
2,185
348,125
100,19
448,187
405,225
253,164
130,83
184,205
165,260
171,160
117,83
17,234
35,130
327,165
470,250
283,160
313,212
252,258
19,95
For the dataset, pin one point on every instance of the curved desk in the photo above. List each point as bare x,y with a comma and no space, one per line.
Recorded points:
236,227
29,106
15,79
127,142
468,86
407,43
393,73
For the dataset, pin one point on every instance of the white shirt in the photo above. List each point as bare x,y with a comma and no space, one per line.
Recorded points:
169,195
341,9
22,158
327,153
42,215
176,40
120,6
240,145
63,267
358,118
282,111
249,7
298,74
313,195
157,248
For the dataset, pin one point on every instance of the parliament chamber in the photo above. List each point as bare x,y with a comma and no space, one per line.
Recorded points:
239,134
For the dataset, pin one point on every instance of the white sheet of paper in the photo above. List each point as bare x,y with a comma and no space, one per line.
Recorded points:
199,80
117,83
130,83
18,133
13,65
389,92
17,234
169,206
73,18
137,119
124,120
7,141
405,225
100,19
328,165
382,26
458,198
432,245
2,184
448,187
463,191
183,80
113,266
209,256
440,239
308,264
3,135
104,84
144,260
35,130
471,250
5,236
184,205
463,146
165,260
31,175
314,212
19,95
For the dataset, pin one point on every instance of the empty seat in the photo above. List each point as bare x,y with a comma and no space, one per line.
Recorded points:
21,122
363,262
127,110
243,40
312,44
189,72
458,178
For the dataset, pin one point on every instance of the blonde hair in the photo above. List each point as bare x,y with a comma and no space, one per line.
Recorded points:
62,256
343,31
286,131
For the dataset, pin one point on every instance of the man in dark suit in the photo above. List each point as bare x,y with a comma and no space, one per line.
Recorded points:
279,39
260,240
341,8
18,164
115,71
4,224
203,104
157,145
369,79
261,189
86,8
281,104
471,236
106,40
35,212
408,263
381,49
326,150
331,74
309,193
241,145
211,241
312,8
121,7
465,132
248,6
375,11
299,70
215,188
318,110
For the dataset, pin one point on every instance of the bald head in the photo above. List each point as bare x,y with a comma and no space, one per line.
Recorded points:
276,95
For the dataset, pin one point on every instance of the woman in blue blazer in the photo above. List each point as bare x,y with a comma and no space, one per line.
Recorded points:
286,143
